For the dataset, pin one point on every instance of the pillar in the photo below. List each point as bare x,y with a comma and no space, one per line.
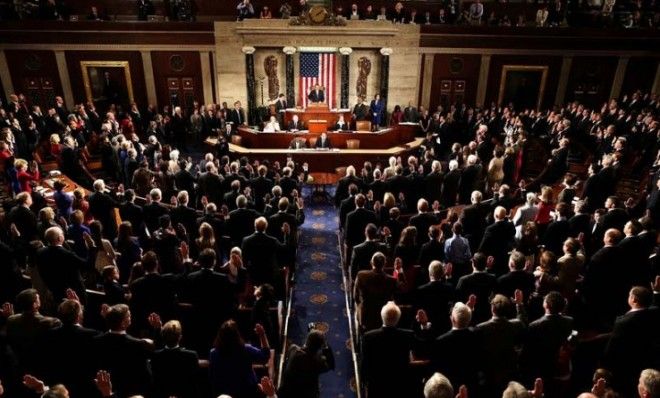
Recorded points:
385,78
290,87
345,62
5,77
483,80
619,75
563,80
65,80
207,85
149,81
252,113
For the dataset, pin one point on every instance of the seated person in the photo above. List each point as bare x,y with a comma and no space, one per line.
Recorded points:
316,95
341,124
323,141
298,143
272,125
295,124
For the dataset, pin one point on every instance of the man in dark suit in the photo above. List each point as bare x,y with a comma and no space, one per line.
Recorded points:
347,205
615,217
635,341
604,295
277,220
580,222
498,239
386,356
450,185
344,183
184,215
316,95
241,221
288,182
473,219
360,111
423,221
185,181
154,210
480,283
469,180
61,269
544,338
212,299
295,124
432,250
261,185
356,222
101,206
26,330
323,141
435,298
237,115
362,253
174,368
498,340
260,252
372,289
124,356
517,278
129,211
210,184
638,272
557,231
433,183
152,293
72,345
454,353
280,104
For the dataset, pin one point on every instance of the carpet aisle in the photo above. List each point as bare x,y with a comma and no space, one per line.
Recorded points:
319,297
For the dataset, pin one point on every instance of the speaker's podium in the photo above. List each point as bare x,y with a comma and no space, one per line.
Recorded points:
317,126
317,113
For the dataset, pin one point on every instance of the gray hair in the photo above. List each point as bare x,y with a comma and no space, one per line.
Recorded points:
438,386
531,197
453,164
515,390
461,314
650,382
390,313
436,272
99,185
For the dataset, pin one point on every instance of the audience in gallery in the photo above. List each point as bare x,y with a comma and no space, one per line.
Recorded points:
181,274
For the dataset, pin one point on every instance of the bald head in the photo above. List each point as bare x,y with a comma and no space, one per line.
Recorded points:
260,224
499,213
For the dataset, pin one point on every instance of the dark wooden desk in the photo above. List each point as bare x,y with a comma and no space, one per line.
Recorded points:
45,187
383,139
317,113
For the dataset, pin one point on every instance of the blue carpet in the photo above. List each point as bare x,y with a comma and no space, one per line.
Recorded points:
319,297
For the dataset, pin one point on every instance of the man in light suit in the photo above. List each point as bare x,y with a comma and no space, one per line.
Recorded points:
323,142
316,95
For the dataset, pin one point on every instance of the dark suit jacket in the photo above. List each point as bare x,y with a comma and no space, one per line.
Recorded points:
61,269
385,361
125,357
187,216
362,253
278,219
152,213
433,187
175,371
321,144
473,219
435,298
241,224
454,354
372,290
295,126
260,257
134,214
152,293
26,335
482,285
543,339
211,295
316,96
580,223
101,206
431,250
615,218
356,222
497,241
468,183
634,345
260,187
72,345
210,184
555,235
342,188
498,339
508,283
26,222
601,287
450,188
237,117
422,221
346,206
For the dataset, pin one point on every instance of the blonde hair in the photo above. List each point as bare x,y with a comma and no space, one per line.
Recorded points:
389,200
54,139
20,163
546,194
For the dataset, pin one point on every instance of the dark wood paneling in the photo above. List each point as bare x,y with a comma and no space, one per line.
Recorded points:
590,79
498,61
163,70
37,66
134,59
640,74
445,67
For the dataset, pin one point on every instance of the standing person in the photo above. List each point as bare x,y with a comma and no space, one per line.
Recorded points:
179,129
376,110
304,366
230,361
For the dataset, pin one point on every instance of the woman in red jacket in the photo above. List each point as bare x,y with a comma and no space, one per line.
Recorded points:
24,175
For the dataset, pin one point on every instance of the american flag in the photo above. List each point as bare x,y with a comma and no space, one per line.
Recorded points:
317,68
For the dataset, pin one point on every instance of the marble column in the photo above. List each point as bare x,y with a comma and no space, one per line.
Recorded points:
149,81
482,85
5,77
619,75
343,92
65,81
249,77
385,78
290,87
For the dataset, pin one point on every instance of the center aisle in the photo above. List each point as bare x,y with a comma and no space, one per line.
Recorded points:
318,295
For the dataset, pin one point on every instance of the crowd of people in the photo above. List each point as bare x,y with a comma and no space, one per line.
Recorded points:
504,277
500,276
608,13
